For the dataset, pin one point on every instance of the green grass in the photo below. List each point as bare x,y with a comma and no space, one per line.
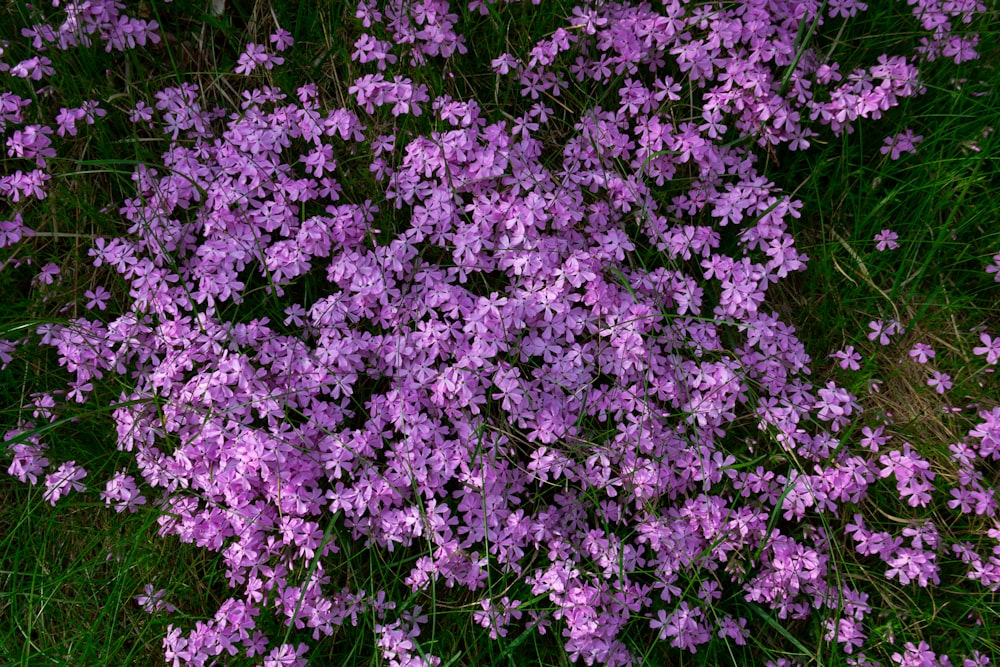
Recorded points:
69,574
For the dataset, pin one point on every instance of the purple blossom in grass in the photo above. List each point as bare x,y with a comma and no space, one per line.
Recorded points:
684,625
32,142
12,231
66,121
856,603
368,49
846,9
873,439
848,358
10,108
570,335
988,434
151,600
141,113
977,659
904,142
990,347
20,185
175,647
918,655
255,55
735,629
286,655
128,33
922,353
846,631
836,405
496,618
121,491
6,352
923,534
941,382
33,68
43,404
881,331
48,275
282,39
65,479
961,49
97,298
67,118
995,267
912,472
913,565
886,240
28,459
504,64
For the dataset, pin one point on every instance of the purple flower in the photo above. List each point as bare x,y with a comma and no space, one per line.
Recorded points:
49,274
121,491
848,358
255,55
846,9
287,655
66,120
886,240
684,625
995,267
282,39
913,565
990,347
151,600
98,298
904,142
505,63
847,631
28,459
836,405
941,382
922,353
881,331
916,656
912,472
65,479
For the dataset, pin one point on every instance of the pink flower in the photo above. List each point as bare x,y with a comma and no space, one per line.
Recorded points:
921,353
28,460
881,331
152,600
886,240
504,64
940,381
873,439
846,631
995,267
141,113
916,656
254,55
904,142
848,358
62,481
282,39
121,492
990,347
49,274
98,298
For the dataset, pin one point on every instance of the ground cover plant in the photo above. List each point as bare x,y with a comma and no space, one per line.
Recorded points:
500,333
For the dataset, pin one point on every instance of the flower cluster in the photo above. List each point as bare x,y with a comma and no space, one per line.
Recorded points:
486,376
